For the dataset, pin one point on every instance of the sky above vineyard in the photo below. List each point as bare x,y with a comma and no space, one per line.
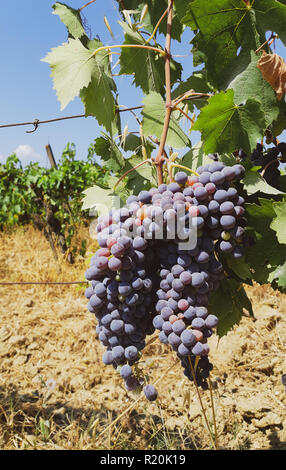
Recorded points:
28,31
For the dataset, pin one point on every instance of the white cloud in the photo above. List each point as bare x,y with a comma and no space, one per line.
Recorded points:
26,154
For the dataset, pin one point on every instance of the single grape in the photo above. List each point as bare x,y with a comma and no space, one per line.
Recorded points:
150,392
126,371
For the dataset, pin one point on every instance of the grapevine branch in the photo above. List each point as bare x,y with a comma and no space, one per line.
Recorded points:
158,160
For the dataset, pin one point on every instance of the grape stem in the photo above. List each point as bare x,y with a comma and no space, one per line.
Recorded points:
121,46
157,26
191,94
86,5
185,114
213,412
201,403
177,165
269,41
132,169
169,106
141,396
266,166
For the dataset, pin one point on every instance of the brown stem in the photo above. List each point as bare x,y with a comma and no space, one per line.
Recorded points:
191,95
121,46
158,160
131,169
128,109
185,114
86,5
157,25
269,41
201,402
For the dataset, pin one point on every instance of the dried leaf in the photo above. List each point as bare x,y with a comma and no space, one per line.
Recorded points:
273,69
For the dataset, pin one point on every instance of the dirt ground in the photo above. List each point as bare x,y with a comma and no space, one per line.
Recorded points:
55,393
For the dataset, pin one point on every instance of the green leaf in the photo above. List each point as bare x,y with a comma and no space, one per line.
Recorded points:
263,255
223,26
196,157
108,151
76,71
271,16
71,18
250,84
146,65
155,10
98,97
279,222
279,275
253,183
143,177
99,101
132,143
153,120
72,69
280,123
226,126
99,199
197,82
239,267
227,303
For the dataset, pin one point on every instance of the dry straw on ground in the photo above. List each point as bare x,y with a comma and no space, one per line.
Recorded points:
56,394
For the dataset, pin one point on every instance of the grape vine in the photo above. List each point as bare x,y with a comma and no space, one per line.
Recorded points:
228,188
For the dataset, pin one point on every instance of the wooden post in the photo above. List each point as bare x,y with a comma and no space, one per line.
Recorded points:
51,156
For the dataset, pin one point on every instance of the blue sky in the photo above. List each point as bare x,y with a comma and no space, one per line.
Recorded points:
28,30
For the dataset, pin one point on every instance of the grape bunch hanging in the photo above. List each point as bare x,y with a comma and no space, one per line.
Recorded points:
158,262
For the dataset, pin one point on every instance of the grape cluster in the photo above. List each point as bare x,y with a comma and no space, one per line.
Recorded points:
157,264
121,296
269,162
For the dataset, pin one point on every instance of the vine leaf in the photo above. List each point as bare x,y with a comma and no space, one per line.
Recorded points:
76,71
196,157
279,222
146,65
250,84
273,69
279,275
239,267
153,120
226,126
253,183
108,151
263,256
227,304
99,200
71,69
225,29
142,178
223,26
71,19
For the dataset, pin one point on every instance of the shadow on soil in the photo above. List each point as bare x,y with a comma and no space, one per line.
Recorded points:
23,414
